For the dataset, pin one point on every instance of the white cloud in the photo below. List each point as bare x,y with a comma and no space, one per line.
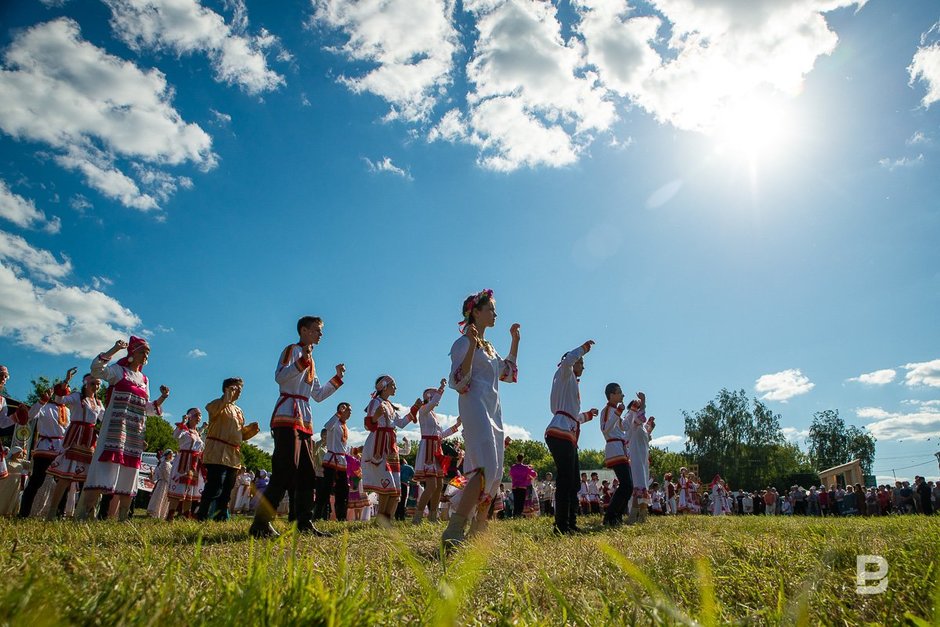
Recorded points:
23,212
41,313
722,55
920,424
666,441
794,435
196,353
925,66
410,43
923,373
94,108
221,119
782,386
386,165
186,27
901,162
533,102
16,250
917,138
878,377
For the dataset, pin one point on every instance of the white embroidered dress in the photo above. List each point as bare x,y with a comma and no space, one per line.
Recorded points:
480,411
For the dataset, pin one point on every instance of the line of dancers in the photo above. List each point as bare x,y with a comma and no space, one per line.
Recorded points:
68,448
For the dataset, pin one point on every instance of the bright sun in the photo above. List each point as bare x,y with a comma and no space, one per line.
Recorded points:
754,130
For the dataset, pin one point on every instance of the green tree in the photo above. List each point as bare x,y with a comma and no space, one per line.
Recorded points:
663,461
158,434
536,455
255,458
591,459
832,443
738,439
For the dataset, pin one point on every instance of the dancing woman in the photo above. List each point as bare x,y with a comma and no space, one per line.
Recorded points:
115,464
476,370
85,411
429,464
184,478
381,461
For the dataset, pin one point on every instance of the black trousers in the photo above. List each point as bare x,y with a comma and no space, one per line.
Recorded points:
567,481
621,497
518,501
218,490
36,478
292,469
402,502
333,482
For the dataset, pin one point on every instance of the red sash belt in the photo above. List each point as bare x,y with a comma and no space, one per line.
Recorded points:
226,442
609,440
433,453
383,443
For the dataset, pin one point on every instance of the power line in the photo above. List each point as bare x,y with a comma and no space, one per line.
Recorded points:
906,467
915,456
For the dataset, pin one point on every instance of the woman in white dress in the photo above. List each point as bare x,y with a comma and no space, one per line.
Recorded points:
640,431
429,466
381,458
243,495
476,370
157,507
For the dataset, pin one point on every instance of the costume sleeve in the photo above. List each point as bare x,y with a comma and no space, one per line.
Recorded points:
34,410
287,371
508,371
320,393
101,370
585,416
449,431
433,401
459,380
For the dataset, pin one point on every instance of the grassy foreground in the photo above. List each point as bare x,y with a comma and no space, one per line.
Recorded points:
671,571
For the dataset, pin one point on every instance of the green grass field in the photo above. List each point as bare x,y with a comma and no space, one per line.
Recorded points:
684,570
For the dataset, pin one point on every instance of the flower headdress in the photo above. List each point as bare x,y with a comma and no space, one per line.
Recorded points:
470,303
133,345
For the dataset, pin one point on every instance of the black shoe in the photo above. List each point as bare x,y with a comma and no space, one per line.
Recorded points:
262,530
559,531
574,529
309,529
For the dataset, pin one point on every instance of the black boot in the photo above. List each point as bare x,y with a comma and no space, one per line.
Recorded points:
262,530
305,515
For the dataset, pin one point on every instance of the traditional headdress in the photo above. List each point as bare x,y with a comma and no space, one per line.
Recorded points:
471,302
133,345
381,384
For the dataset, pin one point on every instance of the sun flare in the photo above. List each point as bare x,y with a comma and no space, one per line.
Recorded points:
754,130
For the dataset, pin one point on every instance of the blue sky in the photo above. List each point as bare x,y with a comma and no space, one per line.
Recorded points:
719,196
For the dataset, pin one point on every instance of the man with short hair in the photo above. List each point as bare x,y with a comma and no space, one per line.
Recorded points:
222,456
292,428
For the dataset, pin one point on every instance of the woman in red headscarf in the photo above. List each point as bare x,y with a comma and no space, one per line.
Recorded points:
116,461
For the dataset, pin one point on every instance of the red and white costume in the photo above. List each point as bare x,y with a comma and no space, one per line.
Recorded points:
80,437
429,461
337,444
567,416
615,451
52,419
296,377
186,474
381,463
115,464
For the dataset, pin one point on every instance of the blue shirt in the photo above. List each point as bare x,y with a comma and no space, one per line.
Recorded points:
407,472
